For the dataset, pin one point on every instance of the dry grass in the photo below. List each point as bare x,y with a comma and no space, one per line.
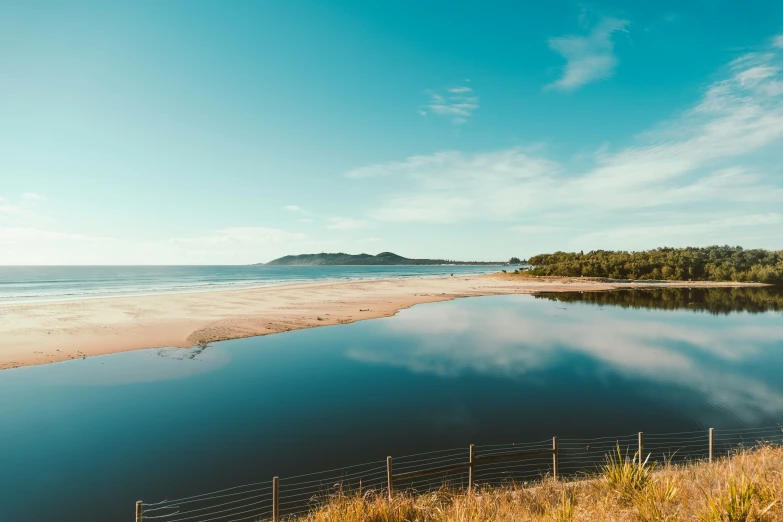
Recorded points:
747,487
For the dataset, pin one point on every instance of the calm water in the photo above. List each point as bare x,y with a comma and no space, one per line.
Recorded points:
83,440
43,283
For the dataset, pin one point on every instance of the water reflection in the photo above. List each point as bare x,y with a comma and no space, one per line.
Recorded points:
712,300
156,424
727,360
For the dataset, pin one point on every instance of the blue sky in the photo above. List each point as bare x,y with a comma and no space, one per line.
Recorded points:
236,132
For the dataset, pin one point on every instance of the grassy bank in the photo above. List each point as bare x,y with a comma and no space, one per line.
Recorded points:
745,487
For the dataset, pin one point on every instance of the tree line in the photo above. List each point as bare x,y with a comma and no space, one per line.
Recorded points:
716,301
714,263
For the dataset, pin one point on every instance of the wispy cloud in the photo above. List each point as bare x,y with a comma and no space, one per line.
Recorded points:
431,208
22,210
232,245
308,216
456,103
778,41
243,235
9,209
31,245
344,223
588,58
699,177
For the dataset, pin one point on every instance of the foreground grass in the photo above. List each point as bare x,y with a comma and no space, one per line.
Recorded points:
746,487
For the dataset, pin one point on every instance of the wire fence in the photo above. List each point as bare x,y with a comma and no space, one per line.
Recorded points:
458,468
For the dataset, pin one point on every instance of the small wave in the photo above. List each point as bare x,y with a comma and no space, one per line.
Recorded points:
70,287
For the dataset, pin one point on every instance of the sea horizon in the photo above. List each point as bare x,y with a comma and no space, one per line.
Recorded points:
51,283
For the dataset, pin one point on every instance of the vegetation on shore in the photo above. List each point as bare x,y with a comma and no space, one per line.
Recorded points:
715,263
713,300
746,487
384,258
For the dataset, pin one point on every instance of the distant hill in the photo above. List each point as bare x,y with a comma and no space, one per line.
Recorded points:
384,258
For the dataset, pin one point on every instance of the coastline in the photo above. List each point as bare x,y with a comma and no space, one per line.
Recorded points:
281,277
54,331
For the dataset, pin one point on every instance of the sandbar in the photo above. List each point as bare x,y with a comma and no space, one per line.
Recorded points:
48,332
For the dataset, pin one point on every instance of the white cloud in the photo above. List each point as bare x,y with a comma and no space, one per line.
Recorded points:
588,58
237,245
680,233
778,41
537,229
233,245
712,175
243,235
10,236
23,211
453,186
430,209
756,74
343,223
28,245
299,210
457,104
9,209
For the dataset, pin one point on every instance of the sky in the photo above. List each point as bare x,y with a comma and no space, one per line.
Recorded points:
207,132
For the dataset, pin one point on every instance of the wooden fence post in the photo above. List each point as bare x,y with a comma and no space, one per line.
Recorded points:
389,476
275,499
641,449
554,457
138,511
712,443
471,468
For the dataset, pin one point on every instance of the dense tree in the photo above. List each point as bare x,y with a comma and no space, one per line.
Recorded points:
715,263
514,261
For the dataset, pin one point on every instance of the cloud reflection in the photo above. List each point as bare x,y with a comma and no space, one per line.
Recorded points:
720,357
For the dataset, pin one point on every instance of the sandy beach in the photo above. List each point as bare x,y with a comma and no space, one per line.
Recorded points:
42,333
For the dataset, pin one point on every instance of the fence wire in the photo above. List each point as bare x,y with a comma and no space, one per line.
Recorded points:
300,494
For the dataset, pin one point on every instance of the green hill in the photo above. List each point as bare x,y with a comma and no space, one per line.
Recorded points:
384,258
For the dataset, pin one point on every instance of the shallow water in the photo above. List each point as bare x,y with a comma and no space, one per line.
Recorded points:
47,283
83,440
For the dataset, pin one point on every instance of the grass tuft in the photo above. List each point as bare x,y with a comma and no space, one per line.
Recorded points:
624,475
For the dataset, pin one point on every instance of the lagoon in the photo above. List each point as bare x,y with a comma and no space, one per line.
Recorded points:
84,439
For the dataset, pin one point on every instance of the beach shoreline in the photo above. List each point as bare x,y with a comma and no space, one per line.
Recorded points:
54,331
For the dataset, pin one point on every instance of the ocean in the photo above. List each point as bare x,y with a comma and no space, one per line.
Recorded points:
55,283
